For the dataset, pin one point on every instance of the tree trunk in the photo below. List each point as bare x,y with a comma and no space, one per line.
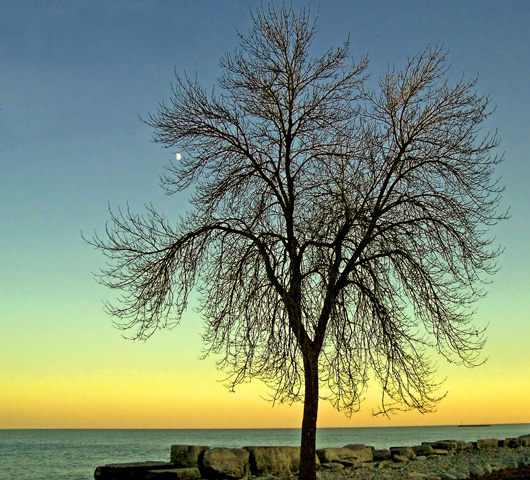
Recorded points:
309,423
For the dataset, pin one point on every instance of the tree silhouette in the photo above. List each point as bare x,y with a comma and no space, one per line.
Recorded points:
334,233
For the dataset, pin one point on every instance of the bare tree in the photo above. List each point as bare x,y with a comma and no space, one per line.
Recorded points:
334,233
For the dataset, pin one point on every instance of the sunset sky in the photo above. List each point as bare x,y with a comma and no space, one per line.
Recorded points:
75,78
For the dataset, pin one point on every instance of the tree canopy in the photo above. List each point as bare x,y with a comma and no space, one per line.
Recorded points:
335,233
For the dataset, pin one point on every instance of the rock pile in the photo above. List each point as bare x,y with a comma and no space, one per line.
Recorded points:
441,460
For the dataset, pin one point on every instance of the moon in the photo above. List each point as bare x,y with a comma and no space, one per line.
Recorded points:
178,156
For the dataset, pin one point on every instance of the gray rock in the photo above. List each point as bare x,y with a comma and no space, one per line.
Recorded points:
402,452
449,445
487,443
361,453
513,442
462,446
129,471
339,455
225,463
521,441
441,451
174,474
186,455
382,454
274,460
423,450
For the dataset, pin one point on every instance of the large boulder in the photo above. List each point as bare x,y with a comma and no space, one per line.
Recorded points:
449,445
362,453
513,442
403,452
423,450
382,455
345,455
225,463
274,460
487,443
129,471
333,455
186,456
464,446
174,474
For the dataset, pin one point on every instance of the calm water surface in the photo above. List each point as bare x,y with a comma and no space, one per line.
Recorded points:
74,454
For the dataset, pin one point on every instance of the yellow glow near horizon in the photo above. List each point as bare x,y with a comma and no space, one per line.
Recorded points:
153,400
84,375
56,381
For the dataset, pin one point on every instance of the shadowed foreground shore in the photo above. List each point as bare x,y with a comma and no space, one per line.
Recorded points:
522,473
508,474
486,464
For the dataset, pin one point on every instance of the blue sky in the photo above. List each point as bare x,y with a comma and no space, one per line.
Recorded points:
75,78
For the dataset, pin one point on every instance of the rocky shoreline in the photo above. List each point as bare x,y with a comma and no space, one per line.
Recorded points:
455,465
441,460
522,473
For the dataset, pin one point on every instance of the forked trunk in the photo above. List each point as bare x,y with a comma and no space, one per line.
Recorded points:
309,423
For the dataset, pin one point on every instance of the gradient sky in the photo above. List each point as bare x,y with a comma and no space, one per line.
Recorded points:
74,79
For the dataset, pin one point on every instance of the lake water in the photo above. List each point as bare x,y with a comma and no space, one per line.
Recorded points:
74,454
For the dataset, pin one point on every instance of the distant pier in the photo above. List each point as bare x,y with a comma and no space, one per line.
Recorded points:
475,425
